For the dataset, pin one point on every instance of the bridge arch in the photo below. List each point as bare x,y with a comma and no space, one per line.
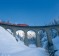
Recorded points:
43,37
20,35
53,32
10,30
31,35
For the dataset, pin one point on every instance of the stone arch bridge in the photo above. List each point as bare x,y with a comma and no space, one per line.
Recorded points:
14,28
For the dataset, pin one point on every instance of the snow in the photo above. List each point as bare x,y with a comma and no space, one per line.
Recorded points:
56,42
32,52
57,53
9,31
8,43
56,45
32,45
10,47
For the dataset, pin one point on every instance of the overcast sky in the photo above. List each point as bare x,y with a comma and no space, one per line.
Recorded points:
31,12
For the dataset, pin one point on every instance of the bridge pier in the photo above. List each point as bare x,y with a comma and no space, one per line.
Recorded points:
50,46
26,39
14,34
49,37
38,41
57,31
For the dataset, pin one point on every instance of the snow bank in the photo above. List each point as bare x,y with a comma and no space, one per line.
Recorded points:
56,45
56,42
32,45
32,52
57,53
8,43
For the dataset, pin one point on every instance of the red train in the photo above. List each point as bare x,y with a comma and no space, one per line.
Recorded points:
22,24
13,24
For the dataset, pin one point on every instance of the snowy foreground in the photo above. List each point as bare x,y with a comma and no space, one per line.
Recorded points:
56,45
10,47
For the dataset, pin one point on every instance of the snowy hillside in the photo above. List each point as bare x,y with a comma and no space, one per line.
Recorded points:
32,52
8,43
10,47
56,45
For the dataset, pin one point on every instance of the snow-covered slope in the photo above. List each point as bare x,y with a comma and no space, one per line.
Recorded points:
56,45
9,46
8,43
56,42
32,52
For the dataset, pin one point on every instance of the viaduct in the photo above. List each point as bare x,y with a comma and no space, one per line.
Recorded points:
14,28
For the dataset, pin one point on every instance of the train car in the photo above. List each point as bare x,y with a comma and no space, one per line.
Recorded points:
22,25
